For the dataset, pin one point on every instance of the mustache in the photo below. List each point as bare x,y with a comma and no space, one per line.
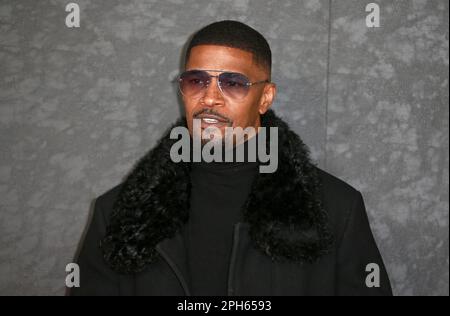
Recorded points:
212,112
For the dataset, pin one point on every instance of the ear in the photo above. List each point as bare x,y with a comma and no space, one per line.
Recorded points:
268,95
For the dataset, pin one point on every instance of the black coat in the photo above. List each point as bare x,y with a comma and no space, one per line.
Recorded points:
305,232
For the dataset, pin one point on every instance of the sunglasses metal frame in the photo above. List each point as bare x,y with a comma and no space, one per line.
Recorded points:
248,84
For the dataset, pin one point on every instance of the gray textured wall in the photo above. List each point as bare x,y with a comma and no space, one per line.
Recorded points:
79,106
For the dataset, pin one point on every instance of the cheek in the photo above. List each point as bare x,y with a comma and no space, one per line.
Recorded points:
187,105
245,114
189,108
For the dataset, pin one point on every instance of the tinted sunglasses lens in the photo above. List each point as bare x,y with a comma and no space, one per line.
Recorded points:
234,85
193,82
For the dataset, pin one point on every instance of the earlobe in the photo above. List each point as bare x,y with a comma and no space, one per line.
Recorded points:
263,109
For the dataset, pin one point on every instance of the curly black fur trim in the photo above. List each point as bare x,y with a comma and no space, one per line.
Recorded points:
287,220
152,205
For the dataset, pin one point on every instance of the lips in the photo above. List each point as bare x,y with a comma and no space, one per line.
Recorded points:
212,117
209,119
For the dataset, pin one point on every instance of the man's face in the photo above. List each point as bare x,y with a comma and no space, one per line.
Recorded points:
233,113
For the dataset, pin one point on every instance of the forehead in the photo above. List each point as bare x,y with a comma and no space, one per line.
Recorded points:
222,58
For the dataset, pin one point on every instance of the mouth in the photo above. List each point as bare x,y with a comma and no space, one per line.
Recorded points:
211,120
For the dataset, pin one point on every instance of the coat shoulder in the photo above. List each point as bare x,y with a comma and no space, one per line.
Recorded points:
339,199
332,184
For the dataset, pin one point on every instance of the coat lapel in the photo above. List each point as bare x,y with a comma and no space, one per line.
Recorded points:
283,214
173,250
250,271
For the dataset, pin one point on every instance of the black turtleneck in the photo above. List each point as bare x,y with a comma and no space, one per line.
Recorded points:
218,193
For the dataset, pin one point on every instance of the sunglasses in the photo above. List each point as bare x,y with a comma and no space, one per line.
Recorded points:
193,83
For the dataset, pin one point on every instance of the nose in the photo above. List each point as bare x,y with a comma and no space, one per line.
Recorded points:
213,95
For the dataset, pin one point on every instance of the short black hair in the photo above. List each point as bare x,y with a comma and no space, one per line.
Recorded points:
236,35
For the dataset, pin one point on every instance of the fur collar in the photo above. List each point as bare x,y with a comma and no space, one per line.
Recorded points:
284,212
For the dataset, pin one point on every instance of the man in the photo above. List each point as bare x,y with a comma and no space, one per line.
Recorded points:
225,228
